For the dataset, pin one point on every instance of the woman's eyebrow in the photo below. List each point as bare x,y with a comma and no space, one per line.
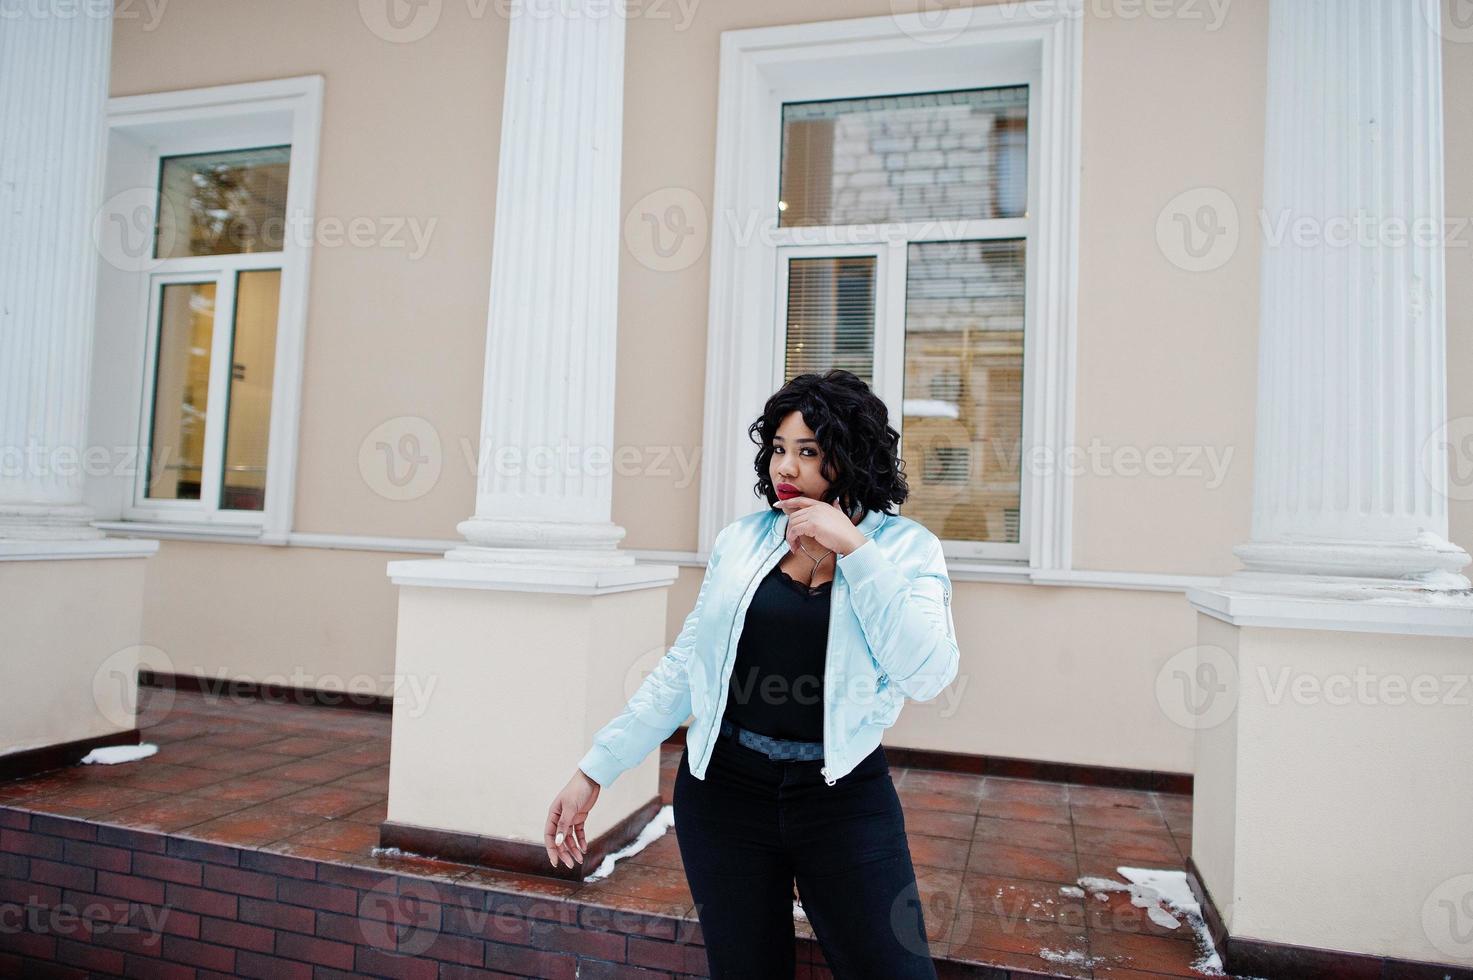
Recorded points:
781,439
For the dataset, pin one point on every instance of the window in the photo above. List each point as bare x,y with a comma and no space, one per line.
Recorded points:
915,195
902,158
206,238
926,172
213,329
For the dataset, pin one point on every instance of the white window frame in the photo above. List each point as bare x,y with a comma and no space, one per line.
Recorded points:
143,130
1039,44
785,255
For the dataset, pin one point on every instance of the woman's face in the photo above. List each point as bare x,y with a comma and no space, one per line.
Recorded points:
797,460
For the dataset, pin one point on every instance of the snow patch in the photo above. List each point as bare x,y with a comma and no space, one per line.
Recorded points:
1071,956
1163,918
1071,891
111,755
662,821
1102,884
1161,893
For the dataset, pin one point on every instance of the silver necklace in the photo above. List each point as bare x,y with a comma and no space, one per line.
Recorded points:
816,561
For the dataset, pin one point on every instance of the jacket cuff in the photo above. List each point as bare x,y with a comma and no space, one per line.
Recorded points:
601,765
864,563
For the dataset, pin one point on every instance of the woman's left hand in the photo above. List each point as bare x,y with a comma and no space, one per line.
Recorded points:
823,522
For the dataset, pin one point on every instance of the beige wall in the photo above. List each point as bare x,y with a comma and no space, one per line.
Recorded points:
409,131
1165,357
305,617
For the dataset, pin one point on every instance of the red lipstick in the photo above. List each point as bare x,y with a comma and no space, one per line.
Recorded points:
786,490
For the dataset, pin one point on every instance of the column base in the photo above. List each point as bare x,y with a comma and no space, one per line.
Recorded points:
1338,759
73,640
48,522
543,557
1428,561
522,856
1326,603
498,693
509,535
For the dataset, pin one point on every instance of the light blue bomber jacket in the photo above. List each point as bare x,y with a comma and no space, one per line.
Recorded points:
891,637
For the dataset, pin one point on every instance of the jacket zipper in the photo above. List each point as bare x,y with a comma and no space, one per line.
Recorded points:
827,686
731,656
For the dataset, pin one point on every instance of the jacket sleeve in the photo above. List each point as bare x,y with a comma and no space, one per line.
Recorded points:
657,708
907,621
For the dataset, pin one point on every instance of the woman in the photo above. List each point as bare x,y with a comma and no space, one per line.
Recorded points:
816,619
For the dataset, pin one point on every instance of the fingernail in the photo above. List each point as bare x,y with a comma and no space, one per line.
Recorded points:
559,838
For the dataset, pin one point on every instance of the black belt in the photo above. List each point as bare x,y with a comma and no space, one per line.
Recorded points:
773,748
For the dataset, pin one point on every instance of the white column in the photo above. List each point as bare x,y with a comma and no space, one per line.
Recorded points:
464,626
544,492
1350,472
53,101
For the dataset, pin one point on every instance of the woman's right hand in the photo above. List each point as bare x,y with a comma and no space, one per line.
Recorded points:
564,834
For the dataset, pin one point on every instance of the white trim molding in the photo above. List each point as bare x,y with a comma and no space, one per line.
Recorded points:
1039,44
141,131
61,550
960,571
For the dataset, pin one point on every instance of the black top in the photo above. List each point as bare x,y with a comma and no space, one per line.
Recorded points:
776,685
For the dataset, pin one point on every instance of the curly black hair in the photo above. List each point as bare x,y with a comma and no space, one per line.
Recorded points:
853,429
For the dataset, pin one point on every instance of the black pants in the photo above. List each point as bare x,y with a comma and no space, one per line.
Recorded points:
754,824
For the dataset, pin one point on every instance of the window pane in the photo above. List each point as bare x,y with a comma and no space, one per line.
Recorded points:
248,419
963,408
938,155
831,316
222,203
181,391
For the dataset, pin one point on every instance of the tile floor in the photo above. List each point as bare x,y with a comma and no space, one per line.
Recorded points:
991,853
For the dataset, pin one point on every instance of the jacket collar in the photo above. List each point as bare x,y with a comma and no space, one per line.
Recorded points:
868,524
